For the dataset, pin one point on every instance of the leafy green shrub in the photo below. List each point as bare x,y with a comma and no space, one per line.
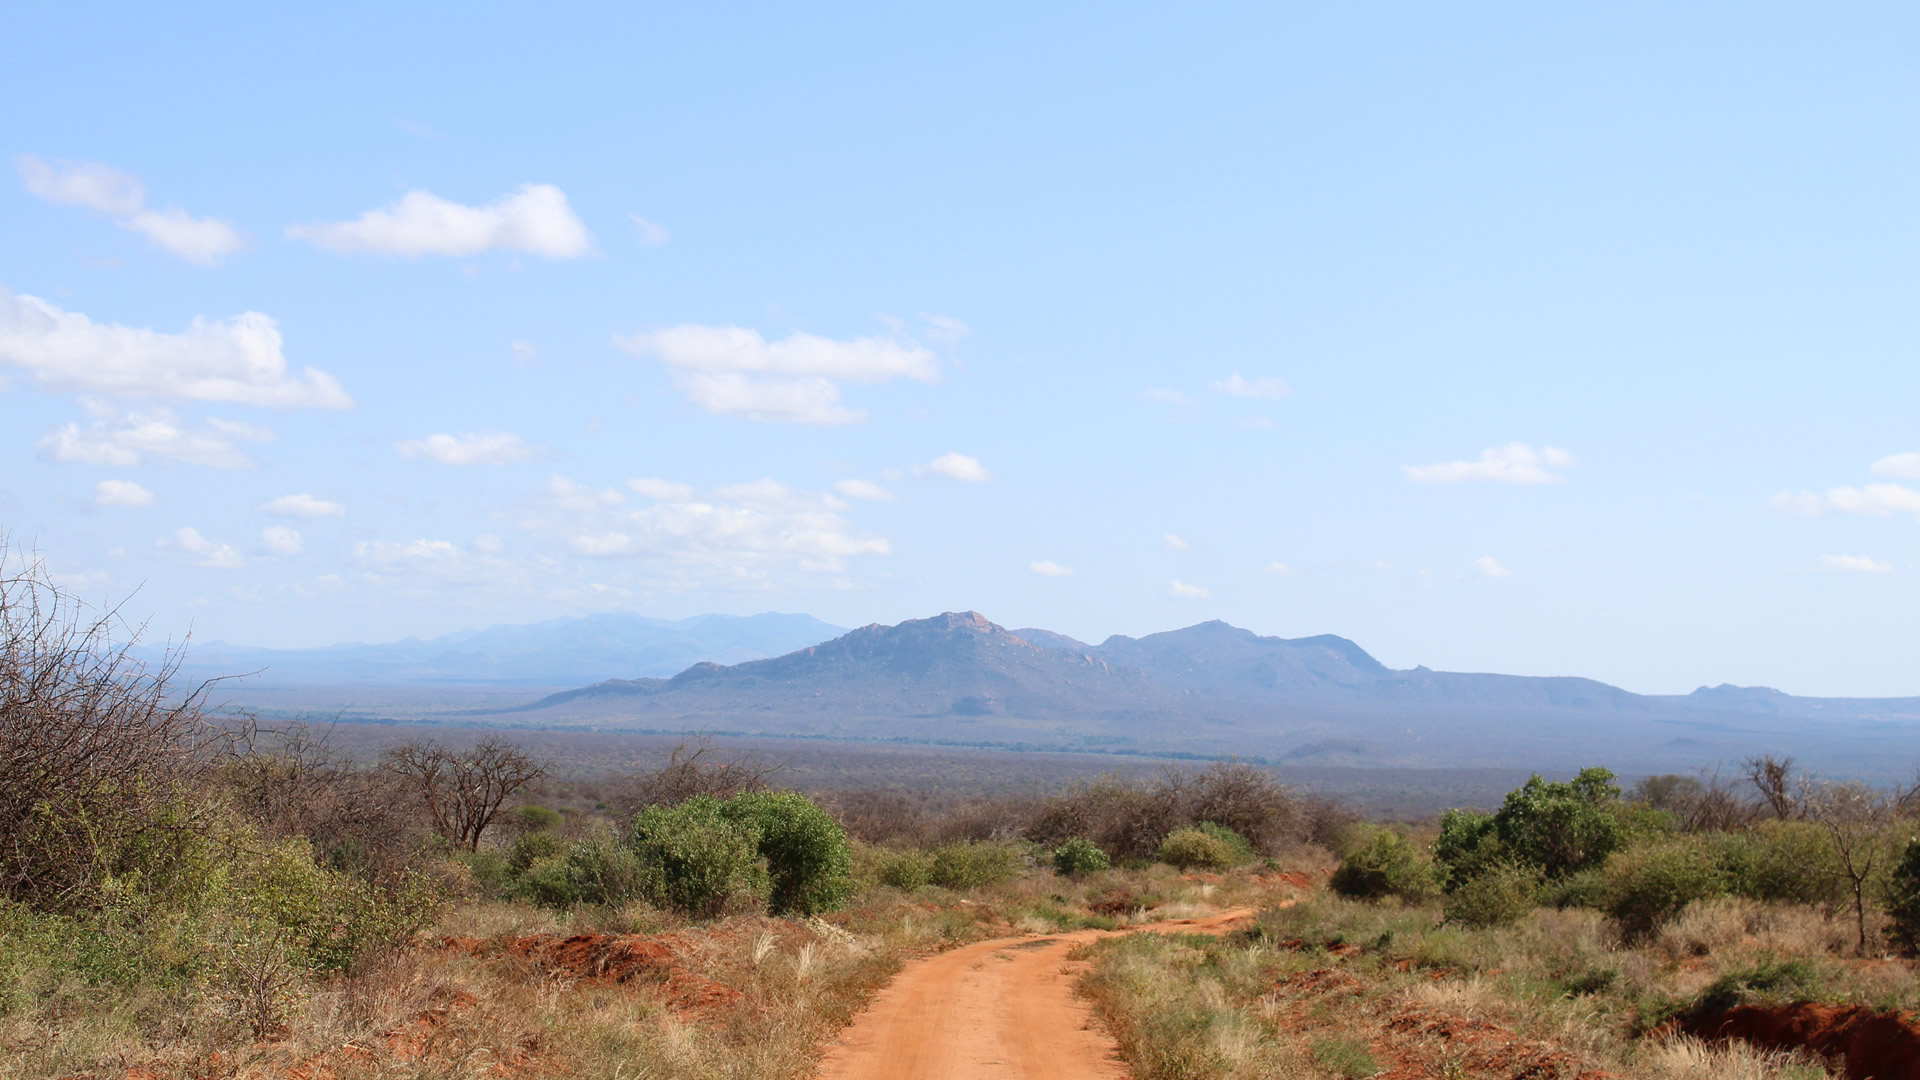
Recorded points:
1777,980
1387,865
696,859
1242,849
533,819
1780,861
904,869
1650,884
809,861
1901,898
1562,827
530,848
1586,889
589,872
1078,857
1193,849
971,865
1499,895
328,919
1468,845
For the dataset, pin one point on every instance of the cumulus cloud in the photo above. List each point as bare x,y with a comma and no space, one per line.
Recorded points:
1855,564
957,466
1174,543
1050,569
210,554
534,220
728,369
1905,466
655,488
472,448
649,234
863,489
737,531
1514,463
121,493
121,196
125,440
1872,500
1265,389
1191,592
303,506
1490,567
235,360
281,540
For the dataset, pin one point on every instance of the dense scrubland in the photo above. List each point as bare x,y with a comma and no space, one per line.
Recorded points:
189,893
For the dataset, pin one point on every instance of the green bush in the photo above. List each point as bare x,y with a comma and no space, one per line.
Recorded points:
1901,898
531,819
1562,827
1498,895
904,869
696,859
809,861
1243,852
1193,849
530,848
1647,885
972,865
1079,857
1772,981
1780,861
1387,865
1468,846
327,919
589,872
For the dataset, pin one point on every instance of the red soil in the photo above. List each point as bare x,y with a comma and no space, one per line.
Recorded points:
1878,1046
614,958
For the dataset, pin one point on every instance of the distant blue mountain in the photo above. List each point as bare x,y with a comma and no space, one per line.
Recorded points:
558,652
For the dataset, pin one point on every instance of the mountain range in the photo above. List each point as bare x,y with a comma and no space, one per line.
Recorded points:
1217,689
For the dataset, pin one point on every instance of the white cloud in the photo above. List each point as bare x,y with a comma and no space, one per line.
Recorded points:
650,235
728,369
1873,500
655,488
124,441
1191,592
945,328
736,531
1266,389
525,351
1168,397
574,496
1905,466
416,565
303,506
211,555
1490,567
1856,564
281,540
121,493
1280,568
487,544
535,220
234,360
472,448
1174,543
121,195
957,466
863,489
1514,463
1050,569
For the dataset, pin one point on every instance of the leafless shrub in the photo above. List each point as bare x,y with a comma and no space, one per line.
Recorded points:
97,749
290,781
695,768
1128,816
1855,818
463,791
1774,779
1707,802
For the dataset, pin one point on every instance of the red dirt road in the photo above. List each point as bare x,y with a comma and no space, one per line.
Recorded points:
1001,1009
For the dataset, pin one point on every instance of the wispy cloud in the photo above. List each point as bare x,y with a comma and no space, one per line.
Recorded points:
1050,569
1905,466
235,360
1164,396
473,448
1491,567
1264,389
281,540
1872,500
123,197
214,556
648,234
863,489
1856,564
303,506
1190,592
958,466
121,493
1174,543
125,440
1514,463
535,220
731,370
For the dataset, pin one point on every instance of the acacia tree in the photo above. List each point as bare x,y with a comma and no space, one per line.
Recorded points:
1773,778
99,752
1855,818
463,791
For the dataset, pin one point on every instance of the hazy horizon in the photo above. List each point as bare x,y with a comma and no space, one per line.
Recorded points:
1553,342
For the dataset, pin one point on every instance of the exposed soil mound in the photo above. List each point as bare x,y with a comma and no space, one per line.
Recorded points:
1877,1045
614,958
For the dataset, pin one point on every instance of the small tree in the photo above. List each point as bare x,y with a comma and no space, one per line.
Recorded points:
693,768
1079,857
1902,899
463,790
1855,818
1562,827
1773,778
809,862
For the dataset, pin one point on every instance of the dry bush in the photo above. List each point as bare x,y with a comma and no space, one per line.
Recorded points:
463,791
694,768
99,752
1129,816
290,781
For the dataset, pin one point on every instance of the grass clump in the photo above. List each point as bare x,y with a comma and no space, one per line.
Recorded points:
1344,1057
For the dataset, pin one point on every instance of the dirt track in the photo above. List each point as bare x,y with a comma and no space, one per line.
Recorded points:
1002,1009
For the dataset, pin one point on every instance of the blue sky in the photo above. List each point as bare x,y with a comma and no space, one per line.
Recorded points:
1562,339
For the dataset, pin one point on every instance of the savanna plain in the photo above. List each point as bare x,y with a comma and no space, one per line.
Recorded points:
190,893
